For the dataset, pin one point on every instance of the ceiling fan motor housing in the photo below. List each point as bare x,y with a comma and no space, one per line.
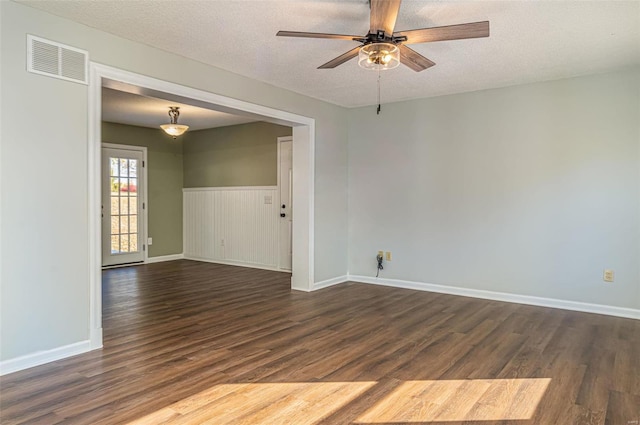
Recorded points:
380,37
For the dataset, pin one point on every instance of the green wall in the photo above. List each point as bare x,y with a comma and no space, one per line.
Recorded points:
237,155
164,186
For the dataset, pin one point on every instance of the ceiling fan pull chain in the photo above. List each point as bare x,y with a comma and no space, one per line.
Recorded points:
378,111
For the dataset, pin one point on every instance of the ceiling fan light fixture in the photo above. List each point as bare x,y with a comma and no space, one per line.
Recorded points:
379,56
173,128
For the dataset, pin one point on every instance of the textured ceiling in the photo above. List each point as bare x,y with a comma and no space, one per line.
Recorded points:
530,41
126,108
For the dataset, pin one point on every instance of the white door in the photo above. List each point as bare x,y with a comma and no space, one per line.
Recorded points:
285,164
122,206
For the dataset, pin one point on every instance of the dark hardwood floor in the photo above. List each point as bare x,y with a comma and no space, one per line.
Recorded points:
192,343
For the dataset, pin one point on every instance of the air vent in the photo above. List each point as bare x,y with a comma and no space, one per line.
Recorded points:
56,60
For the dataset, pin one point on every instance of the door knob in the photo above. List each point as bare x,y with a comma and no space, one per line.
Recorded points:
283,215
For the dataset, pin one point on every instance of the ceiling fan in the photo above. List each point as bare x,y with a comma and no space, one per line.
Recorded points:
382,48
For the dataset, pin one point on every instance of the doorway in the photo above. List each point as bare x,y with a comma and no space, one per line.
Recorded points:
285,190
302,266
123,205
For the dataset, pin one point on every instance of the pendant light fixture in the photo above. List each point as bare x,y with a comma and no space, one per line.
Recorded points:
173,128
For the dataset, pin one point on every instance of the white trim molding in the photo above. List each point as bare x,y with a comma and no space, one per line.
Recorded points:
330,282
628,313
236,263
94,207
162,258
42,357
95,338
222,188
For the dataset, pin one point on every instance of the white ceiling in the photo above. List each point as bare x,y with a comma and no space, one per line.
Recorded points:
127,108
530,41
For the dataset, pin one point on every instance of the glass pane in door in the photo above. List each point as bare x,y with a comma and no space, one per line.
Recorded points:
124,211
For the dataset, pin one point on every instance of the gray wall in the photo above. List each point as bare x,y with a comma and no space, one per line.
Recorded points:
530,190
164,185
237,155
44,230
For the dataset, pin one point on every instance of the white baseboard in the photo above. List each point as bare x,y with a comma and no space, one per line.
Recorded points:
42,357
629,313
237,263
162,258
329,282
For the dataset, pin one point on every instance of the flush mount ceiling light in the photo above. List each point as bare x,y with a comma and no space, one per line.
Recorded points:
173,128
379,56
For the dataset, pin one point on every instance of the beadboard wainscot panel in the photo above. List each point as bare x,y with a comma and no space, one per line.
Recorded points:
235,225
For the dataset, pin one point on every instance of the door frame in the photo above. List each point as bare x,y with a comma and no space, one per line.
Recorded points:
280,140
302,273
145,198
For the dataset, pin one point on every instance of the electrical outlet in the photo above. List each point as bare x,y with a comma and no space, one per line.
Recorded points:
388,256
149,241
607,276
221,242
381,254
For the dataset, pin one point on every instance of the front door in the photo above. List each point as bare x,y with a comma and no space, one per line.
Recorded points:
122,206
286,211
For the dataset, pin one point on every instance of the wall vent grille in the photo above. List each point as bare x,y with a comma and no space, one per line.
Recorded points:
57,60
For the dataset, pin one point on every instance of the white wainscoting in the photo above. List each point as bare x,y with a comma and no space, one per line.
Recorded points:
232,224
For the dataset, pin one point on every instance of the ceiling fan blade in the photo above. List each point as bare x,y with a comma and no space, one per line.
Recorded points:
341,59
413,59
316,35
450,32
383,15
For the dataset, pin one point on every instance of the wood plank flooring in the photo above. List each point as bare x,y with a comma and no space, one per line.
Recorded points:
194,343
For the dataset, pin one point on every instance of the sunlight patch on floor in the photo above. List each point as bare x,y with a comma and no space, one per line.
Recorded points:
260,403
459,400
